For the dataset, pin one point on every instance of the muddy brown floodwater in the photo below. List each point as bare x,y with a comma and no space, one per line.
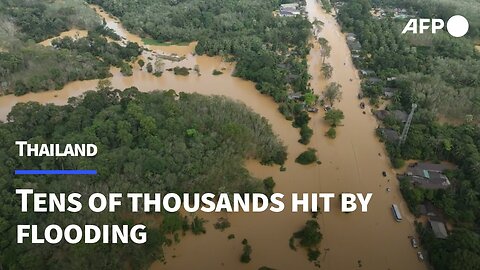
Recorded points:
350,163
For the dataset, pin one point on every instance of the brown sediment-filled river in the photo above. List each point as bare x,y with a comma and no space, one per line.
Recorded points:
350,163
353,162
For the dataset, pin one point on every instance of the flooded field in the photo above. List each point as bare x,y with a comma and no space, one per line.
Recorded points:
353,162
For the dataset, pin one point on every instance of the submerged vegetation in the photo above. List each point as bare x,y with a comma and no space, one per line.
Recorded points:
182,71
247,251
157,141
216,72
331,133
198,225
307,157
334,117
222,224
309,237
327,5
28,67
269,50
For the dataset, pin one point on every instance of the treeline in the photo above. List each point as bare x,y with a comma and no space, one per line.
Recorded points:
444,62
27,67
461,250
147,142
309,238
36,68
42,19
441,76
110,53
428,140
441,9
269,50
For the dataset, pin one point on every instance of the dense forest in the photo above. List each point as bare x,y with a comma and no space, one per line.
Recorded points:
160,142
42,19
443,9
439,72
441,75
28,67
269,50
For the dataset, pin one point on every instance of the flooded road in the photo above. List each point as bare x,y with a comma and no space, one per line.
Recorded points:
353,162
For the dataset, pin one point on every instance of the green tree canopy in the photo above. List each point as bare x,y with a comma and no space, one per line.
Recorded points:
334,117
333,93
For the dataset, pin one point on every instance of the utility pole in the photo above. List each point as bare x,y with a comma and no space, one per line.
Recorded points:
403,137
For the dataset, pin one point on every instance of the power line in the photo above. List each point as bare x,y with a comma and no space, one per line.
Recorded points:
403,137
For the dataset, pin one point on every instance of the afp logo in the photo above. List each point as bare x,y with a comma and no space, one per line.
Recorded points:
457,26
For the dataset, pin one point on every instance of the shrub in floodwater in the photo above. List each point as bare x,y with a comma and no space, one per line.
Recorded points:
310,236
222,224
307,157
183,71
331,133
149,67
291,243
185,224
268,184
198,226
305,134
141,63
217,72
247,250
126,70
313,254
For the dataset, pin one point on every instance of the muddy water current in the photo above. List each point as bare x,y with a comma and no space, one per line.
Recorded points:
353,162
